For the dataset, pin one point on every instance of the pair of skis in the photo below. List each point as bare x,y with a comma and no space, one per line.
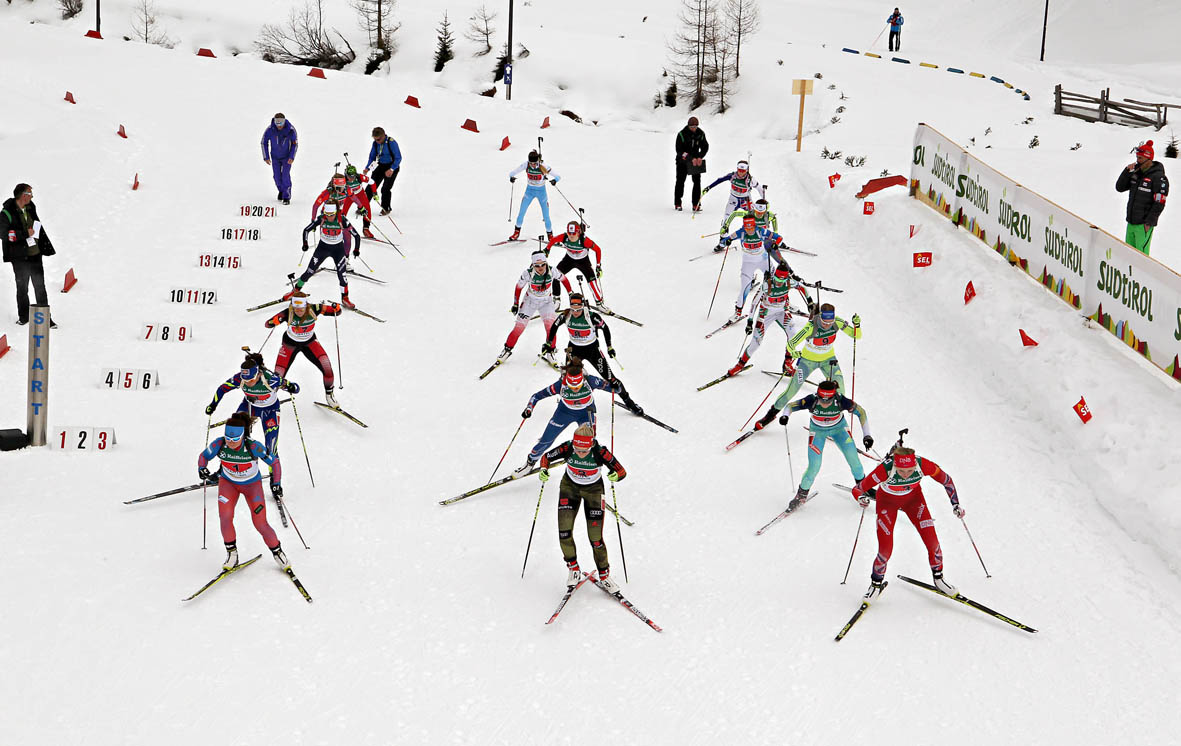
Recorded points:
512,478
961,598
211,483
226,573
618,596
721,378
277,301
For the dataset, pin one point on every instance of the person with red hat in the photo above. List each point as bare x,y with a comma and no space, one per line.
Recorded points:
576,404
1148,188
759,247
583,483
774,307
578,246
896,483
827,409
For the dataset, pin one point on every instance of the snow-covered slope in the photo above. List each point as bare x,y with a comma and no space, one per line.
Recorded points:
422,631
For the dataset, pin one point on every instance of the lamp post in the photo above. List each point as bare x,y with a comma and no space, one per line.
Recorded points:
508,83
1045,21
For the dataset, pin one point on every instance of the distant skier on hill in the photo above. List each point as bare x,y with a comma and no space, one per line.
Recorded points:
239,476
537,173
359,190
543,293
300,338
742,186
577,246
897,488
583,483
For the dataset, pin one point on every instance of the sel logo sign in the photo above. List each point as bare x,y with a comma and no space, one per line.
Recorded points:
868,209
922,259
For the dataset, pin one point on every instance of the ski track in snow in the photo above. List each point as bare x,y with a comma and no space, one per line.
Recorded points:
422,630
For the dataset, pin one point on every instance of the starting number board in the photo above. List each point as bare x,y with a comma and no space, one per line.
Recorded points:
129,379
83,438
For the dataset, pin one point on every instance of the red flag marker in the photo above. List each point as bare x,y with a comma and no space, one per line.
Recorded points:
867,209
1027,340
122,132
205,52
922,259
969,292
4,344
135,184
70,97
832,180
316,72
412,101
545,123
71,281
914,229
1083,410
469,125
505,145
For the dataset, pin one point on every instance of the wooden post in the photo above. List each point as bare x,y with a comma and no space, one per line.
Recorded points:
801,88
1058,99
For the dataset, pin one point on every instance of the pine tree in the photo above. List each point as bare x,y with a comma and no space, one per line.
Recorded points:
444,52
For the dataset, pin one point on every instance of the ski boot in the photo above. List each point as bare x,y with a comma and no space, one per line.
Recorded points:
549,357
574,576
738,366
344,301
549,235
737,313
524,468
603,306
944,587
875,588
629,402
231,556
280,557
516,234
504,354
800,498
696,208
384,211
606,583
368,233
677,208
330,399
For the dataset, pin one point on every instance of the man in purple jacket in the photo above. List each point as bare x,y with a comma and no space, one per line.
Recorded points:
279,143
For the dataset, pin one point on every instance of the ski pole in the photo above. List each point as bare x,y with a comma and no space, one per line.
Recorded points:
399,230
530,544
387,240
512,190
362,261
879,36
986,573
719,282
294,525
268,339
339,367
614,501
301,442
855,540
572,207
790,469
510,445
764,401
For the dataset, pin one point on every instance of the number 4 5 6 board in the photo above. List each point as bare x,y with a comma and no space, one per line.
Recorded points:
129,379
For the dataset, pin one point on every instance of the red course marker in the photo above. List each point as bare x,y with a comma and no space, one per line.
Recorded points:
969,292
867,209
1083,410
1027,340
832,180
922,259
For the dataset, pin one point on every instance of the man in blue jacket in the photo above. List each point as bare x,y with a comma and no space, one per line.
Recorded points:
385,155
279,143
895,21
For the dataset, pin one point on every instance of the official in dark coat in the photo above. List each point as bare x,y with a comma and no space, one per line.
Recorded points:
24,244
1147,188
691,147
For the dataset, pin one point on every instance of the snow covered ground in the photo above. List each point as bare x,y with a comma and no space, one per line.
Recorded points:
422,630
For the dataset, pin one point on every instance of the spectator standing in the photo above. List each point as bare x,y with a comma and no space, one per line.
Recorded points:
895,21
1147,188
387,157
691,147
25,243
279,143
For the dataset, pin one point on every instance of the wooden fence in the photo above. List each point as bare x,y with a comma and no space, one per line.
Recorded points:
1128,112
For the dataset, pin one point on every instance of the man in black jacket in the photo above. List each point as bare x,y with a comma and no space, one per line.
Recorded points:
1148,187
25,243
691,149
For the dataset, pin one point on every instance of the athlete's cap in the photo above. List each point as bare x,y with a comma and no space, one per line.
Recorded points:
330,207
249,373
743,165
782,270
537,257
828,315
298,301
583,441
235,432
827,389
574,381
905,461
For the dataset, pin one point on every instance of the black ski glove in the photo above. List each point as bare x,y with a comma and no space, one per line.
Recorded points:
783,418
210,408
527,413
611,352
868,441
516,307
204,475
512,179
